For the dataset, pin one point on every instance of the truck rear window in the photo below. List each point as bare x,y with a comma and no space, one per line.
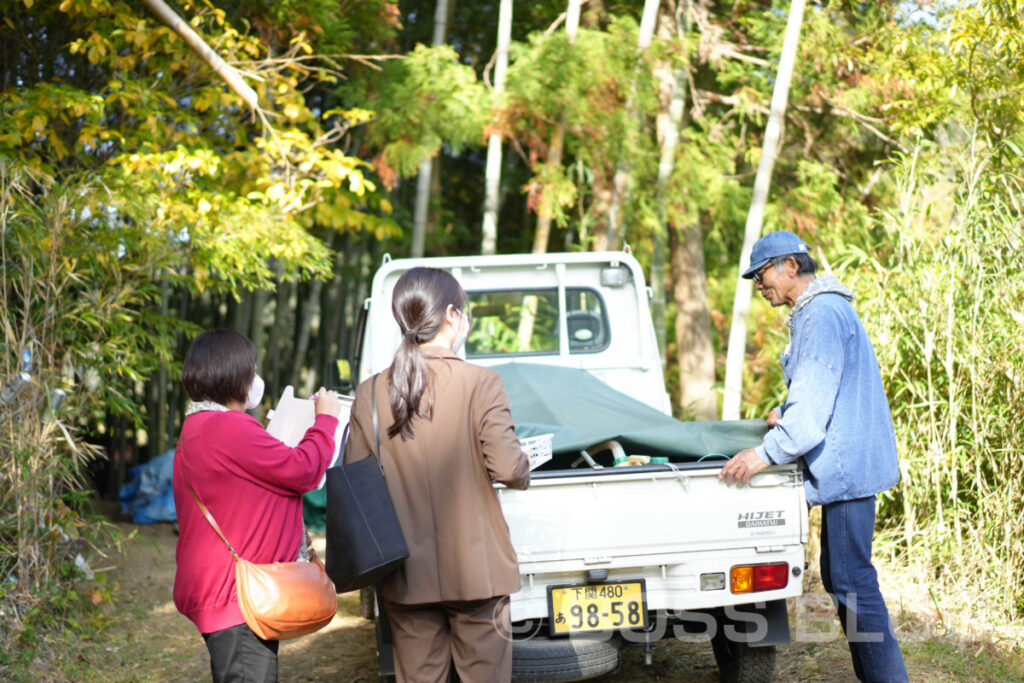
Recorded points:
526,322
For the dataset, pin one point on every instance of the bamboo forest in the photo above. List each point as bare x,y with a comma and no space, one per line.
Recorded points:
174,166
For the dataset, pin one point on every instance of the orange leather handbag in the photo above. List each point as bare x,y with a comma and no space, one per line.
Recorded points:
281,600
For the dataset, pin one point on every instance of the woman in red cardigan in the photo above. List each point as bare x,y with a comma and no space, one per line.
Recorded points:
252,484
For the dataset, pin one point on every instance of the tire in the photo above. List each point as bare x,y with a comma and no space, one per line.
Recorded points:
368,603
741,663
564,659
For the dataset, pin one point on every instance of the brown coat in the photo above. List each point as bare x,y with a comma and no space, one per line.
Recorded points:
440,483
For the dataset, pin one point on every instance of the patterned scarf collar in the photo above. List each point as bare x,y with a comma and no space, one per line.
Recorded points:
824,284
203,406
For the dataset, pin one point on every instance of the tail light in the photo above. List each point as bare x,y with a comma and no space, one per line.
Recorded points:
759,577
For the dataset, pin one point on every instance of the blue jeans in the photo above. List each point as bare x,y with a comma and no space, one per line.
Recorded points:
847,529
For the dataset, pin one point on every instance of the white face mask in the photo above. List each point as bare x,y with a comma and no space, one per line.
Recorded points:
255,393
460,338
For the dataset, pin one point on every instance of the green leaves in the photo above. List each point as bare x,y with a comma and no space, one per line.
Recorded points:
941,286
419,102
79,288
586,84
177,151
986,42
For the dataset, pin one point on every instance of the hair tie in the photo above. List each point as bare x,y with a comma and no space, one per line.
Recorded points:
410,334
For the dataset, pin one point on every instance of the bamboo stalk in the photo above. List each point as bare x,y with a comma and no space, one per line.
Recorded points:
752,231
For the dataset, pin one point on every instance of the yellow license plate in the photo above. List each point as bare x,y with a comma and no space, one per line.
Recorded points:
597,607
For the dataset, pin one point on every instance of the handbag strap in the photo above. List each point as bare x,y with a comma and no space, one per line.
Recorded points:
207,514
376,426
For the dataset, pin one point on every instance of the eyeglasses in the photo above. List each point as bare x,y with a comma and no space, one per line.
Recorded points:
759,275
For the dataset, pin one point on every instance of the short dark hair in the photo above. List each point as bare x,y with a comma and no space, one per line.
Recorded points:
220,366
805,265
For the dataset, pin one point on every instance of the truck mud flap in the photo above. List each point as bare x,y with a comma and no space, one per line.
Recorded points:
564,659
756,624
745,639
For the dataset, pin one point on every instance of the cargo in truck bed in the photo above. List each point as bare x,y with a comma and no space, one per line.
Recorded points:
582,411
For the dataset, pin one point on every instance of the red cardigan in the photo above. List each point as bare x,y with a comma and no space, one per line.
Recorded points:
253,485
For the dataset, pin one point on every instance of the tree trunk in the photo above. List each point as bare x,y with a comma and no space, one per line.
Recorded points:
554,161
615,233
310,311
332,307
365,266
693,323
278,347
419,225
673,102
157,433
241,312
437,248
596,235
304,330
258,328
423,185
741,301
489,230
693,328
543,233
177,396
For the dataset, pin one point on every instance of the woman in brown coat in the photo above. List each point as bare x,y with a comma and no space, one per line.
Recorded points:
447,433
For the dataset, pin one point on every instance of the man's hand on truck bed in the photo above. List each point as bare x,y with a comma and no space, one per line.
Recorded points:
742,467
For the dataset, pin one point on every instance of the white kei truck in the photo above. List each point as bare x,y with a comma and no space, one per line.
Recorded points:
625,536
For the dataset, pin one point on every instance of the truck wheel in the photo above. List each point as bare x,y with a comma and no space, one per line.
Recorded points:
564,659
368,603
741,663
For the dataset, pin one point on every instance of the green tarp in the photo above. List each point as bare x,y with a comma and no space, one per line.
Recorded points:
582,411
314,509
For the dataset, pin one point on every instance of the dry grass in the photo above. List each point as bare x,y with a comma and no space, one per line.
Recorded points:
145,639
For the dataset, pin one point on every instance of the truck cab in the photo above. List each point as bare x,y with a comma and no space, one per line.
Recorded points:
586,310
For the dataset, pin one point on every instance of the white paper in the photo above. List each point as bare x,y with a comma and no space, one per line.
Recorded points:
538,449
292,416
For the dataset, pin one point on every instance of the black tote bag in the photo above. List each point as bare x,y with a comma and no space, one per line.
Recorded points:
364,539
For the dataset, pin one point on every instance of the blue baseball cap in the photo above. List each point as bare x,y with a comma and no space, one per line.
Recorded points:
773,245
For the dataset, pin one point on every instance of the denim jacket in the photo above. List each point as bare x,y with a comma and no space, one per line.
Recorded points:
836,416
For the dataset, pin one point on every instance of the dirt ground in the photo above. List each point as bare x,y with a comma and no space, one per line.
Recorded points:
148,640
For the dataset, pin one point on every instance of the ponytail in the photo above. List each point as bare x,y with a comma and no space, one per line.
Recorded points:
405,390
420,299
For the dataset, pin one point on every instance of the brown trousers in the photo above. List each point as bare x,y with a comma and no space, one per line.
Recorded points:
475,635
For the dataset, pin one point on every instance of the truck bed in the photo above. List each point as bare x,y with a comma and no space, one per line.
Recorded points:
665,524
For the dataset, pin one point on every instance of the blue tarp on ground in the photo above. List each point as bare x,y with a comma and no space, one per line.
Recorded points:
582,411
148,495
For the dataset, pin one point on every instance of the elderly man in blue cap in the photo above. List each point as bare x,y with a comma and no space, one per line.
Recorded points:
836,421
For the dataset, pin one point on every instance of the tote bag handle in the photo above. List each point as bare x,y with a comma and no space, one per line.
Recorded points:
376,426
